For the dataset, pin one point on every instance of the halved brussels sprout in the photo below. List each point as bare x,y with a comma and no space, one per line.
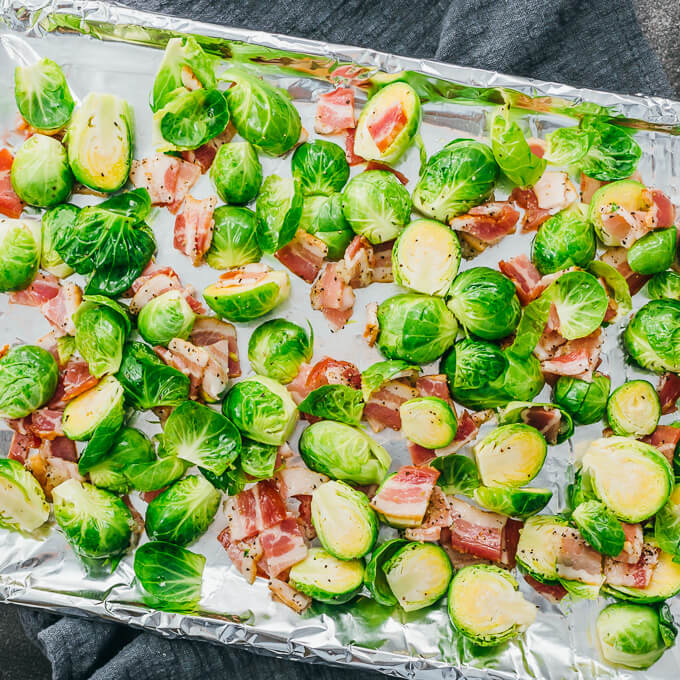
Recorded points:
416,328
428,421
664,285
100,141
262,114
278,212
564,240
418,574
102,405
330,226
22,500
344,452
653,253
96,523
326,578
513,154
633,479
169,576
376,205
510,455
599,527
54,222
234,240
667,525
42,95
634,409
626,194
485,303
101,328
376,375
345,523
486,606
28,378
539,416
261,409
245,296
20,242
182,512
613,155
585,401
521,503
652,337
199,435
40,174
334,402
426,257
458,474
278,348
634,635
374,576
320,167
165,317
539,544
388,123
460,176
236,173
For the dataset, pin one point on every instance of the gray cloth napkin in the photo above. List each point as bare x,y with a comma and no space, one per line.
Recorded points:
593,43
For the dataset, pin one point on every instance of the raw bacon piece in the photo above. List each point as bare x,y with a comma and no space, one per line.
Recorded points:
335,111
665,210
382,408
404,497
489,222
286,594
665,438
332,294
10,204
44,287
299,481
476,531
636,575
533,216
283,546
628,226
330,371
419,454
219,338
298,386
205,155
359,261
46,423
59,310
62,447
194,227
467,430
304,518
632,548
167,179
521,271
186,358
21,445
437,516
372,328
49,470
577,561
546,420
589,185
304,255
244,555
252,511
76,378
618,258
352,158
434,386
554,191
553,592
377,165
577,358
155,281
382,268
388,127
669,392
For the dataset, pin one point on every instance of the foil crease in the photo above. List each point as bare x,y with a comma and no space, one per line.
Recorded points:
105,47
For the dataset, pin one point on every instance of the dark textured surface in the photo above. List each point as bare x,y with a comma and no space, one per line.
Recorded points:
582,42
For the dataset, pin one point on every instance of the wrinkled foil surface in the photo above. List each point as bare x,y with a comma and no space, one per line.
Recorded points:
108,48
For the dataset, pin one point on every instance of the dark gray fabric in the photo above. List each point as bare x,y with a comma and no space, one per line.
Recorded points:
593,43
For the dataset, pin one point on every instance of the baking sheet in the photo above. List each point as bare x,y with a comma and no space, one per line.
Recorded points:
109,48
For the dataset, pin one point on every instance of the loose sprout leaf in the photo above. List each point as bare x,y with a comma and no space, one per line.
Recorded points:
458,474
334,402
157,474
135,204
232,481
616,286
278,212
667,525
320,166
258,460
614,153
531,326
580,591
54,222
512,153
98,447
329,225
374,578
599,527
521,503
375,376
667,627
567,146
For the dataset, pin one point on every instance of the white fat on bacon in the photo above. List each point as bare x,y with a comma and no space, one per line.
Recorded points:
194,227
332,294
632,575
299,481
555,191
577,561
60,309
303,256
437,516
167,179
286,594
382,407
359,261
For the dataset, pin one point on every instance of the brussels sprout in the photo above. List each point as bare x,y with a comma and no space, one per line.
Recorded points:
374,577
513,155
564,240
667,525
580,491
166,317
633,479
245,296
510,455
521,503
345,523
344,452
585,401
169,576
28,378
40,174
311,205
189,119
334,402
376,205
262,409
599,527
101,328
415,328
485,303
22,501
581,303
634,409
147,381
199,435
634,635
236,173
258,460
183,512
42,95
320,167
485,605
184,63
375,376
617,288
155,475
278,348
232,481
458,474
99,142
96,523
428,421
426,257
102,404
653,253
388,123
460,176
278,212
531,412
626,194
330,226
568,145
614,154
19,253
664,285
234,240
326,578
262,114
652,337
539,544
54,222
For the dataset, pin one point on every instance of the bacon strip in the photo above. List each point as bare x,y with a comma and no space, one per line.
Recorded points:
254,510
669,392
155,281
335,111
289,596
283,546
194,227
577,358
304,255
488,222
403,497
219,338
167,179
44,288
332,294
382,408
10,204
618,258
527,279
636,575
359,262
577,561
244,555
665,438
437,516
632,548
60,309
21,445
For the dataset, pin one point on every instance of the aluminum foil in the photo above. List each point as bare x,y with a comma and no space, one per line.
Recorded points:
114,49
